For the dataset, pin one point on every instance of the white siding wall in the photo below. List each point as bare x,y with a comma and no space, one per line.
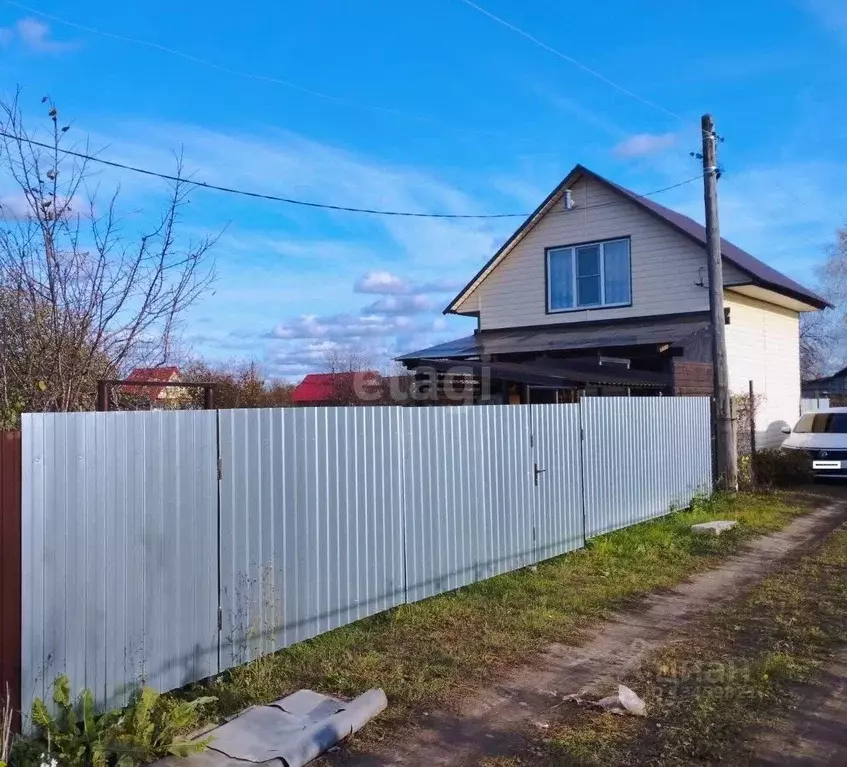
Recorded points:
763,345
665,264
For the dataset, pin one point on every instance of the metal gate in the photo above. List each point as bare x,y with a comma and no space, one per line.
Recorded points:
555,438
468,495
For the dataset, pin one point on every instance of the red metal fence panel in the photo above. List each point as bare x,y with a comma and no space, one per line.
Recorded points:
10,567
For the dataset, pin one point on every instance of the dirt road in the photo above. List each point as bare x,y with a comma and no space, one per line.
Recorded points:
492,721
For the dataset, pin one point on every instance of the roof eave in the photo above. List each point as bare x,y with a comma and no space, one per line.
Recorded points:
809,299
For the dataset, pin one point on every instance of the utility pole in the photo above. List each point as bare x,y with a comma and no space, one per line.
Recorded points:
727,459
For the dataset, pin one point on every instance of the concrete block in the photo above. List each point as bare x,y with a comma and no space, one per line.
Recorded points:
713,528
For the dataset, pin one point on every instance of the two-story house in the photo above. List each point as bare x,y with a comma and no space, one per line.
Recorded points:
604,291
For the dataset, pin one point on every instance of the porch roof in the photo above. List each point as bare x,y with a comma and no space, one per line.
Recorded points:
606,335
558,374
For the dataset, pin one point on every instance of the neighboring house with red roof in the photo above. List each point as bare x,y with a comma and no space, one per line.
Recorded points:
347,388
159,396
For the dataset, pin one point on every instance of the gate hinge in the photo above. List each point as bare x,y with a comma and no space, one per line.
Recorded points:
220,618
531,441
220,469
582,433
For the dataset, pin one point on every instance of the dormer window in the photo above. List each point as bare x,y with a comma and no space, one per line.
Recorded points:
589,276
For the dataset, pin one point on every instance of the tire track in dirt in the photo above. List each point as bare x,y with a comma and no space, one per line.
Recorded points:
490,722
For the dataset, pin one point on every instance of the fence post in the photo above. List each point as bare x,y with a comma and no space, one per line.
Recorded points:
103,392
209,397
10,571
579,404
752,420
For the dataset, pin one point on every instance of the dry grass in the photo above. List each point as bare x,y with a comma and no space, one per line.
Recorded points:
734,671
6,714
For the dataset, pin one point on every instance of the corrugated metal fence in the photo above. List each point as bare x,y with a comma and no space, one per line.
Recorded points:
311,523
167,547
813,404
643,456
119,551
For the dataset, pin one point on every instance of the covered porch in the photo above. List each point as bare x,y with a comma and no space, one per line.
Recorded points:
662,356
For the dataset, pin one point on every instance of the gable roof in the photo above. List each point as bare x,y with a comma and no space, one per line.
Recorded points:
323,387
759,272
165,374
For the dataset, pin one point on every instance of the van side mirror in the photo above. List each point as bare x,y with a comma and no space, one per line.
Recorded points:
786,430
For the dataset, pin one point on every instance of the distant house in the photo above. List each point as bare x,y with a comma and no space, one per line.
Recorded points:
158,397
344,388
830,386
605,292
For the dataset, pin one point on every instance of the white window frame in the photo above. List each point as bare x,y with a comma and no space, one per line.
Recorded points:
574,284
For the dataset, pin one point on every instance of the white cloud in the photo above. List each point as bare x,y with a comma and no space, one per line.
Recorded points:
643,144
375,343
14,207
388,284
367,325
400,305
381,283
19,206
36,36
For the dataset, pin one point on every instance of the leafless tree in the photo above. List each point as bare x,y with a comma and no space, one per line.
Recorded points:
823,335
352,375
815,340
238,384
80,296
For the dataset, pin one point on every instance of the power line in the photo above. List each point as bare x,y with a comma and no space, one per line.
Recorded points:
250,75
307,203
638,196
572,60
257,195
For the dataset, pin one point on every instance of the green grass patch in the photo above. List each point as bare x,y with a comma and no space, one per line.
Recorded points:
704,694
429,652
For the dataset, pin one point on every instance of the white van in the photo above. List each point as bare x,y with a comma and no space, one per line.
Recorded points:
823,435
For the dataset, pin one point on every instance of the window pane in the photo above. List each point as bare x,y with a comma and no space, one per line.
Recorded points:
804,425
830,423
588,290
616,272
560,275
588,261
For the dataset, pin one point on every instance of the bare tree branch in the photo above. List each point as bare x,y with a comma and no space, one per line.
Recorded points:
81,299
823,335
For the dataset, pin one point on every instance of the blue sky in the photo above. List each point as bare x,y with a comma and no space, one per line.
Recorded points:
433,107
